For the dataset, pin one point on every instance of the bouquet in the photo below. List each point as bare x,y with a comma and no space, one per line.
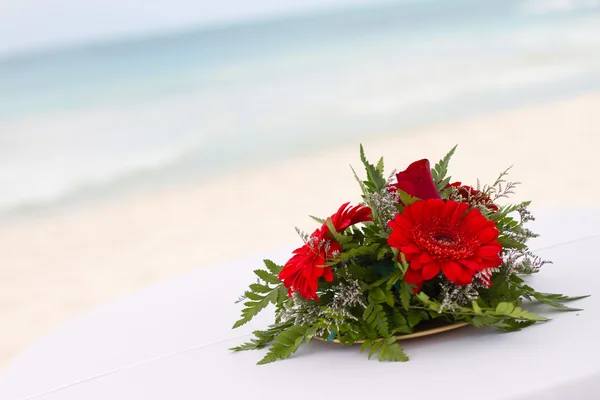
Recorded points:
421,254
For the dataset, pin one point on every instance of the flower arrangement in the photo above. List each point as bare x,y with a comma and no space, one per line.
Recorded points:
420,252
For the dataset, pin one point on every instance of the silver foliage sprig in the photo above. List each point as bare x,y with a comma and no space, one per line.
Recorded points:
452,296
347,295
522,261
501,188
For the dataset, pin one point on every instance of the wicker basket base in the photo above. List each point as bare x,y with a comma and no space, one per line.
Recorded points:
426,332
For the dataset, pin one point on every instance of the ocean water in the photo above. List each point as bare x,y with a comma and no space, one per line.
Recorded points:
82,123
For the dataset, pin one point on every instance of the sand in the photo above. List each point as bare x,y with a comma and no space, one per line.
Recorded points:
54,267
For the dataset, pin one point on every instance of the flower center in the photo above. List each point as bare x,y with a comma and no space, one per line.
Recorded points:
444,242
444,239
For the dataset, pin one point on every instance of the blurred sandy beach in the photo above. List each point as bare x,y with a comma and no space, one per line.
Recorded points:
61,264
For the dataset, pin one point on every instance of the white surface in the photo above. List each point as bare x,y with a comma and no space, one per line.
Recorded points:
171,341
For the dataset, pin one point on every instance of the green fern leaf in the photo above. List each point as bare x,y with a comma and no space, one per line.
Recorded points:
440,170
405,293
366,344
513,325
267,276
406,198
375,180
259,288
253,296
375,316
285,344
319,220
413,318
392,352
272,267
263,338
357,252
374,347
380,165
259,296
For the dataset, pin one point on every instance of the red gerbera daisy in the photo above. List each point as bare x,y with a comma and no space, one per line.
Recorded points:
302,272
442,236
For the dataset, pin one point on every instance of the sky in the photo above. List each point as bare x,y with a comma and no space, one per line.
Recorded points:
27,25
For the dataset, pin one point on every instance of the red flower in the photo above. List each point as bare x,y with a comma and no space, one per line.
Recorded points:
473,196
417,181
302,272
346,217
442,236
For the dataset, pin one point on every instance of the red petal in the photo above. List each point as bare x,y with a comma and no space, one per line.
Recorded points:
417,181
430,270
459,213
398,239
488,234
410,250
413,277
470,265
328,274
489,250
456,273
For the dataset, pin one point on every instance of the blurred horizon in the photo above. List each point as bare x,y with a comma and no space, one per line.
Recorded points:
153,29
84,122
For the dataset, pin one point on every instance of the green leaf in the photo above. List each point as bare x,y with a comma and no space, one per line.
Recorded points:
377,295
382,252
366,344
311,332
357,252
319,220
512,325
253,296
509,243
374,315
406,198
400,323
340,238
259,296
259,288
392,352
380,165
274,296
480,321
405,292
504,308
282,294
523,314
414,317
389,298
386,349
263,338
363,188
393,278
285,344
555,304
562,298
267,276
402,264
440,170
375,180
552,299
272,267
432,304
374,347
476,307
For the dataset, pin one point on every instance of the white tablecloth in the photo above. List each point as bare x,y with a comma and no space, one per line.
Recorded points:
171,342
